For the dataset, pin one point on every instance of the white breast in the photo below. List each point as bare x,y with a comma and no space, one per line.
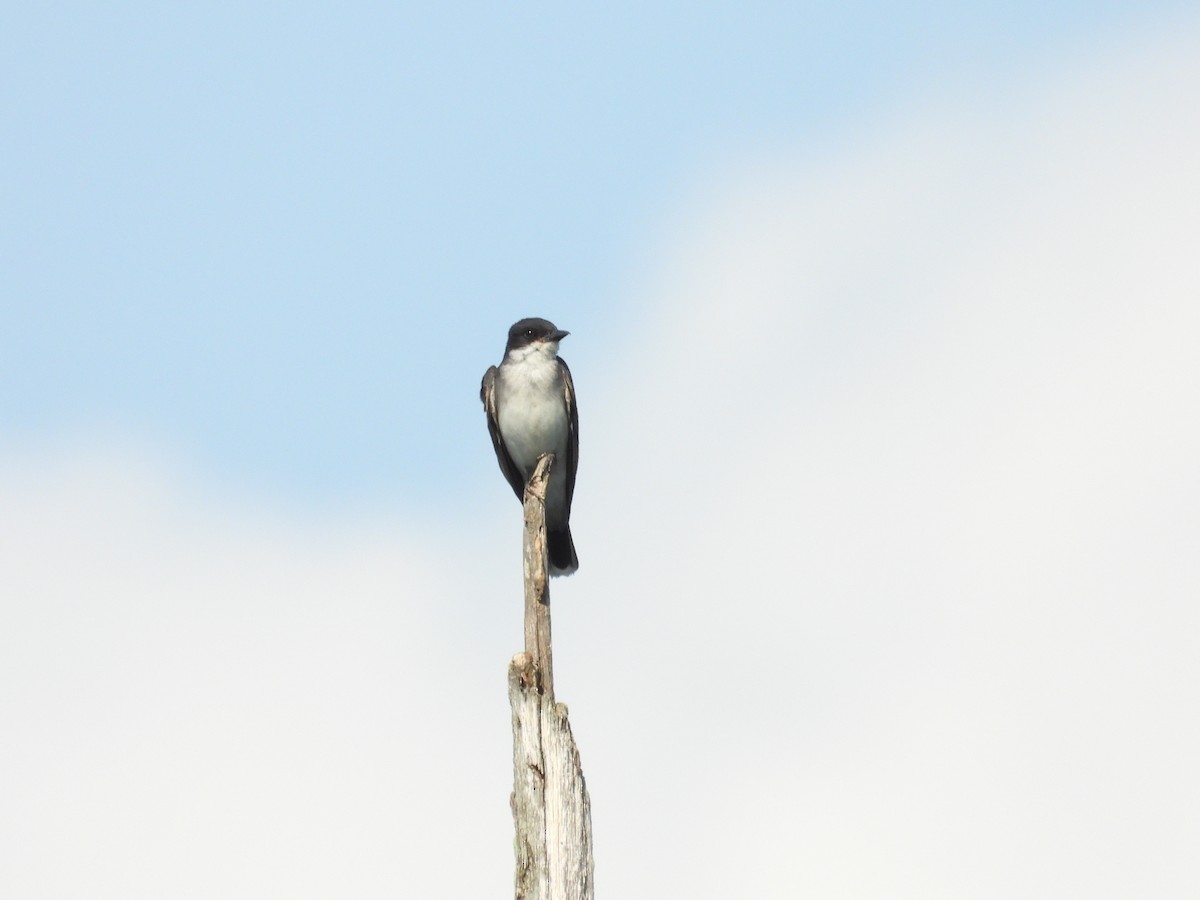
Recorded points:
533,413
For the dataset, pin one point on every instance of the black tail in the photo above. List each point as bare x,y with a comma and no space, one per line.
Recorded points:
563,560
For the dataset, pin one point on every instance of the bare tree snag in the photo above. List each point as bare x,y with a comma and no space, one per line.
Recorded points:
551,809
537,580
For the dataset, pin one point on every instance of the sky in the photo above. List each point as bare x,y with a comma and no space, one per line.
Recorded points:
883,327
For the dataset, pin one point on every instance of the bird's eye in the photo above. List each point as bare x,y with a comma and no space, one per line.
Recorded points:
529,332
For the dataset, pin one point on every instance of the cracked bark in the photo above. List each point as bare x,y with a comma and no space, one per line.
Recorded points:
550,805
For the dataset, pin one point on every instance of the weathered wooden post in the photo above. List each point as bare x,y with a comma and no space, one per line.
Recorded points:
551,810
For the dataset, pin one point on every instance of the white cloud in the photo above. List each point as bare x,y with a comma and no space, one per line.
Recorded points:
202,699
917,591
898,601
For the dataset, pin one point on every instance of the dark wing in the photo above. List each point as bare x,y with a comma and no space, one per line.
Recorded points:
487,393
572,459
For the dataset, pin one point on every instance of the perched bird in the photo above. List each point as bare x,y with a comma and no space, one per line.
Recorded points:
530,403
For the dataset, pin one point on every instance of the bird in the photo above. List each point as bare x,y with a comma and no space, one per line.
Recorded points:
530,404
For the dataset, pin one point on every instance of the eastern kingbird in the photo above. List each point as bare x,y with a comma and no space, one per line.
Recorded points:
530,404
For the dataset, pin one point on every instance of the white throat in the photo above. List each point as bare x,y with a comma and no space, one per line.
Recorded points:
546,350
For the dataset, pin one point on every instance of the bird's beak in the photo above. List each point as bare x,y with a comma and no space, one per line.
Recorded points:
556,336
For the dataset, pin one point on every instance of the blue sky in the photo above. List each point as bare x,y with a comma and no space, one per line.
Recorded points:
282,242
884,328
